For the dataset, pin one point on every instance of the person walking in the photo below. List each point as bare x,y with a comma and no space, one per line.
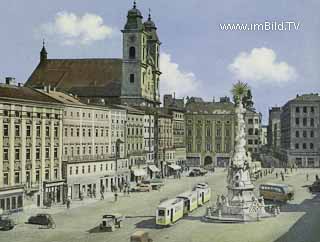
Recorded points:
115,197
277,175
282,176
317,177
68,203
307,176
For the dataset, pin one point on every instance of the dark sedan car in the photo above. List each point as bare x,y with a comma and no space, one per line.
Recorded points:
315,187
6,223
41,219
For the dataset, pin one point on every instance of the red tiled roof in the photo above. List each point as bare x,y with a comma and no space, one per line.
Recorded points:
84,77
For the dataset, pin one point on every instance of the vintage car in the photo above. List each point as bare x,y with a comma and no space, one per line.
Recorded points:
111,221
141,187
6,223
315,187
140,236
198,172
155,183
41,219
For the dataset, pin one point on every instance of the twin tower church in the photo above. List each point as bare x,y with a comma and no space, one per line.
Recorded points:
132,80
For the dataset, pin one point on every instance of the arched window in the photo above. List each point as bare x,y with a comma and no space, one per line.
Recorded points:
132,52
131,78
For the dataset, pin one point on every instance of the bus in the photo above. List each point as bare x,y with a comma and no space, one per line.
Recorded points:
276,192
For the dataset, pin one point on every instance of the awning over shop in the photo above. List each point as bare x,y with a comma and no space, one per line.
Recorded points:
139,172
153,168
175,167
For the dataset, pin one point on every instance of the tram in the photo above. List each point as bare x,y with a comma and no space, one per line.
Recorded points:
170,211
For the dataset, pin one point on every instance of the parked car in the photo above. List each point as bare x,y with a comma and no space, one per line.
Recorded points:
110,221
315,187
6,223
41,219
140,236
155,183
142,188
198,172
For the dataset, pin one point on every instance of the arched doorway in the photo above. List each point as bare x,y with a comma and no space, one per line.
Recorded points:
208,161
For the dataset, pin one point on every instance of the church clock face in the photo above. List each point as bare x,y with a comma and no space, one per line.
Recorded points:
132,38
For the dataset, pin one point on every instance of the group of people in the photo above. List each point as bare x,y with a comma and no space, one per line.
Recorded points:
307,177
285,171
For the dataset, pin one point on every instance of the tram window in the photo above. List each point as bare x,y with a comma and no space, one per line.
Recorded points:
161,213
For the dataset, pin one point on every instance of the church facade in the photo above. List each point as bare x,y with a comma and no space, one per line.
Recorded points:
132,80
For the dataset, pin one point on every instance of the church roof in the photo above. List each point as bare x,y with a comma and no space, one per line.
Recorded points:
84,77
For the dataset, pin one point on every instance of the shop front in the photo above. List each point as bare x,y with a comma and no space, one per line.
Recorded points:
54,192
154,171
11,199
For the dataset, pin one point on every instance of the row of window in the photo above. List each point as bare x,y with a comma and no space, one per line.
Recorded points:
208,132
91,168
87,150
135,146
18,114
17,131
251,120
84,115
17,153
251,142
305,109
305,121
75,132
305,134
207,121
17,176
304,146
252,131
139,131
209,148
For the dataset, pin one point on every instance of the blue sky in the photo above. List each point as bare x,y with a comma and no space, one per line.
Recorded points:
198,58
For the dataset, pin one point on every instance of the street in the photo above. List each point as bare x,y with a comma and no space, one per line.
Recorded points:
81,223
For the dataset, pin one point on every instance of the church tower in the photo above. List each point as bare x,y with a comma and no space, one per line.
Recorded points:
139,69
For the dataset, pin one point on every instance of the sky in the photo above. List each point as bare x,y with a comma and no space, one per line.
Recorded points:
198,58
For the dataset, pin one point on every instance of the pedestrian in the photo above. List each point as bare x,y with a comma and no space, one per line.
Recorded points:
277,175
115,196
81,196
68,203
101,195
282,176
94,193
317,177
307,176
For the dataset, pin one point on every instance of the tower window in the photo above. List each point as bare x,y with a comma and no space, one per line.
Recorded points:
131,78
132,52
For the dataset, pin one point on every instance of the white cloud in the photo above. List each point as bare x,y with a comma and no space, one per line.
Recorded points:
261,66
70,29
173,79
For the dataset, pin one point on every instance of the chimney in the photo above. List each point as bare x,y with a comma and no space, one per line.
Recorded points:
10,81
